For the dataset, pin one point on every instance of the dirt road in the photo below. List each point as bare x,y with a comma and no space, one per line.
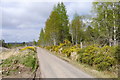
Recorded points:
53,67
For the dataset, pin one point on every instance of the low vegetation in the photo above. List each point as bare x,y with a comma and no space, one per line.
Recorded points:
30,48
24,63
100,58
91,40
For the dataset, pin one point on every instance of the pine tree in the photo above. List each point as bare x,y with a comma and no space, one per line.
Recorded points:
41,40
52,29
63,20
56,26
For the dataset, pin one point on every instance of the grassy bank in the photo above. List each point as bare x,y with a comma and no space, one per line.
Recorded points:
86,68
23,64
99,61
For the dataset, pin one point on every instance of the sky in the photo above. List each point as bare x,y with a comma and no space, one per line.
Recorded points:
23,20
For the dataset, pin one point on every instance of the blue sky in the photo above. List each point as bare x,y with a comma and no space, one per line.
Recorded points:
22,21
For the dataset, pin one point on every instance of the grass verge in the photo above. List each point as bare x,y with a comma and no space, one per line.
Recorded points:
86,68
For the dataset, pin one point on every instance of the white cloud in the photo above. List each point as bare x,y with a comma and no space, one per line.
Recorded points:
34,13
20,35
49,0
81,8
22,21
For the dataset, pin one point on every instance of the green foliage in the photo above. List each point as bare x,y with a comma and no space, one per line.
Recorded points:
67,42
117,53
103,66
76,29
41,40
89,54
101,58
7,62
11,45
107,50
56,27
106,22
102,29
48,47
67,52
28,60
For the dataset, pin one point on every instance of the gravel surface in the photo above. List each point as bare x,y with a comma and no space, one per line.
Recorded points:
54,67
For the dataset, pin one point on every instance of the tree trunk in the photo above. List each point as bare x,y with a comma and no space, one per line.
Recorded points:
54,41
72,39
110,40
114,34
81,45
76,40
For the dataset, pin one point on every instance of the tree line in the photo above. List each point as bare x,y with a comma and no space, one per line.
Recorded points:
102,28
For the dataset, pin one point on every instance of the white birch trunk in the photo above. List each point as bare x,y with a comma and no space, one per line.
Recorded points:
76,40
54,41
114,35
81,45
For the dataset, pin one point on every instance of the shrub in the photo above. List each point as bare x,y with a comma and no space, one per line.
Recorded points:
103,66
53,48
67,52
80,53
89,54
101,58
88,58
108,50
67,41
117,53
30,48
48,47
92,49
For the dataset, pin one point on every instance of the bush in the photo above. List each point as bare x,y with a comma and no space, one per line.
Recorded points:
67,42
92,49
30,48
68,50
103,66
88,55
101,58
88,58
48,47
117,53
